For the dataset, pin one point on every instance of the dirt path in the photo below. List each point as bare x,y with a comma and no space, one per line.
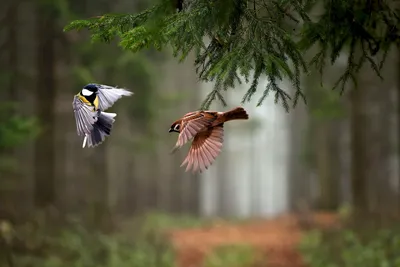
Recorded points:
276,239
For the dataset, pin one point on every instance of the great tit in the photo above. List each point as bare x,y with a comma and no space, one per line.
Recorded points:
89,105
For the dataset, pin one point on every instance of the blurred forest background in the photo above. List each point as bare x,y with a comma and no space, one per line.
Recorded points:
61,205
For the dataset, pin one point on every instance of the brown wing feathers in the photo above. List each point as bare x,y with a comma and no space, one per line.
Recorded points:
190,129
191,125
206,146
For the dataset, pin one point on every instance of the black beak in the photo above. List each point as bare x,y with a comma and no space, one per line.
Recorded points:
170,130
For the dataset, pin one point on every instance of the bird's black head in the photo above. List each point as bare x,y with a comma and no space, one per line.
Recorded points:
91,87
175,127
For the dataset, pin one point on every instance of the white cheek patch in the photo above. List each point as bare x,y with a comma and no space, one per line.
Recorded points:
86,92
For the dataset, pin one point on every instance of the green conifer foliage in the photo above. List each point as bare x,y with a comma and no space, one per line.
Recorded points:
236,40
365,29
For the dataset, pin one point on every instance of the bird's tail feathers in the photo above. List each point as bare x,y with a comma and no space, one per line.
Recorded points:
101,129
237,113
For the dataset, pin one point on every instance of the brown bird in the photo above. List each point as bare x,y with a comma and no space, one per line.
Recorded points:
207,129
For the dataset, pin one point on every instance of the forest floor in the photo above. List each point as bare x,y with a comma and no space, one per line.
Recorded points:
274,240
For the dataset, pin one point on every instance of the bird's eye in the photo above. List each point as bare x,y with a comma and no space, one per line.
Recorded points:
177,127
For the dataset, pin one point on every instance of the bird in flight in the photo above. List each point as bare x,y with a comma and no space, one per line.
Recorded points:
89,105
206,127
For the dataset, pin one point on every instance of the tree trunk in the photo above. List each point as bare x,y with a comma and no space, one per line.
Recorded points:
335,130
100,195
328,185
398,128
45,99
10,67
298,171
358,152
12,19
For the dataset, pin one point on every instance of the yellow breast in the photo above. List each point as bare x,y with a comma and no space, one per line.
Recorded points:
96,103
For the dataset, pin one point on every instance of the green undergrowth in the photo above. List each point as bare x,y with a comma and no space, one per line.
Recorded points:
352,247
138,242
160,221
72,245
232,256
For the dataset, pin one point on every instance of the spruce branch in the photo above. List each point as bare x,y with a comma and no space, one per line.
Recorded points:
232,39
365,28
241,37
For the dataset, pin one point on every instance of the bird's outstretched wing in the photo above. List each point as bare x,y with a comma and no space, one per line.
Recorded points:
85,116
108,95
192,124
206,146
